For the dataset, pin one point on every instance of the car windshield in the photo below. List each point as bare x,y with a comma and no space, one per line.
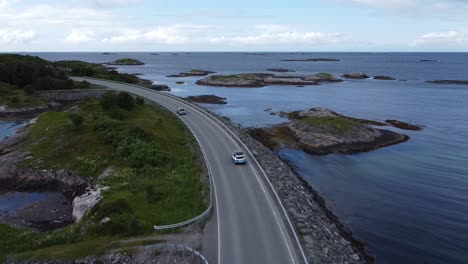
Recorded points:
239,154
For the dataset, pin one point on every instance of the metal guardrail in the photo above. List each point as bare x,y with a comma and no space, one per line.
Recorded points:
178,248
210,207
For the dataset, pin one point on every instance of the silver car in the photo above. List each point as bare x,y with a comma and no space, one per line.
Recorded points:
181,111
238,157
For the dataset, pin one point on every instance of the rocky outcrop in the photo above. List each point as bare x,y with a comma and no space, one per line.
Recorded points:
238,80
160,87
275,80
457,82
280,70
49,213
356,75
206,99
27,112
313,59
84,203
403,125
16,175
322,131
264,79
125,61
192,73
384,78
322,78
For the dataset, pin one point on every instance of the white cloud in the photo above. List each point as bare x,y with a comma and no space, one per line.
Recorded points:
78,36
386,3
112,3
266,35
446,37
170,34
16,36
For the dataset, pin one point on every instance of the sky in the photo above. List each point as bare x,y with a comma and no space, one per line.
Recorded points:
236,25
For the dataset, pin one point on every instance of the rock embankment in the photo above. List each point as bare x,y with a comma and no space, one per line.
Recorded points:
206,99
324,238
322,131
264,79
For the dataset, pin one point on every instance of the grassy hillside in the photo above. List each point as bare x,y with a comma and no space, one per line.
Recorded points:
156,178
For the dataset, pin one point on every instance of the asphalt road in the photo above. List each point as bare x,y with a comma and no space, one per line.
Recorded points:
250,227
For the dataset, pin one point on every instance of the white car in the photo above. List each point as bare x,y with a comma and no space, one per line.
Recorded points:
181,111
238,157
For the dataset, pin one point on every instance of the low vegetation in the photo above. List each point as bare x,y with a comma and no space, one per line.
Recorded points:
331,124
15,97
80,68
21,76
155,179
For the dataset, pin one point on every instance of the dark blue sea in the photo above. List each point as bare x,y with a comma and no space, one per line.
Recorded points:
407,202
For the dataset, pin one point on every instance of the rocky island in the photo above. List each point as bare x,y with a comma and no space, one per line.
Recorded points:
384,78
322,131
206,99
191,73
456,82
356,76
280,70
125,62
312,60
264,79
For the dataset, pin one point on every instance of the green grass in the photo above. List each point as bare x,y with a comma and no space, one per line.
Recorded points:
16,98
142,194
55,144
331,124
14,240
225,78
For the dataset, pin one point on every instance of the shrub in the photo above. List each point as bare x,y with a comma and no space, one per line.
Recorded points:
84,85
14,100
29,89
153,194
117,113
125,101
121,224
147,154
108,100
140,101
111,208
76,119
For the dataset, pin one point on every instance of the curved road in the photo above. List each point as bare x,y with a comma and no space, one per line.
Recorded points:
250,226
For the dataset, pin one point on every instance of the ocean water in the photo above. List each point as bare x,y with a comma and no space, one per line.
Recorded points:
9,127
408,202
